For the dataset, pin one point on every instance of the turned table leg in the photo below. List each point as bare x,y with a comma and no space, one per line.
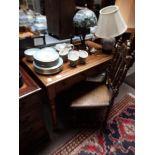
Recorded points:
52,104
53,112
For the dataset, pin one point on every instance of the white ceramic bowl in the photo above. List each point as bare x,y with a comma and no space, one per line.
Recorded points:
64,54
82,56
62,46
73,58
46,57
30,52
59,47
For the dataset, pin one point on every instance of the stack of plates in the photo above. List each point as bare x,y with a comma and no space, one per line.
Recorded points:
47,61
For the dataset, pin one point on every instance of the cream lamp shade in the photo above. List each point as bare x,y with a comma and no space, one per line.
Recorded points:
110,23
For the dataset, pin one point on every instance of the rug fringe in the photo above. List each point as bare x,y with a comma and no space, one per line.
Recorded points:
132,95
120,105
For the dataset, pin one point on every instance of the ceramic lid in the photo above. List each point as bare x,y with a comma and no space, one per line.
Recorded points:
47,54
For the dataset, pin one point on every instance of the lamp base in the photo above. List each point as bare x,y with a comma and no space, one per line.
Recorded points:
107,44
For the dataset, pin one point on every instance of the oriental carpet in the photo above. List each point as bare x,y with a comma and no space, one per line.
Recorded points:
119,138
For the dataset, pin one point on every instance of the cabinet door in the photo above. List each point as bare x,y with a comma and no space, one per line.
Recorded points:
59,15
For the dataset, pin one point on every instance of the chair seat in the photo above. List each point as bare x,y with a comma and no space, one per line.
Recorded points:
100,96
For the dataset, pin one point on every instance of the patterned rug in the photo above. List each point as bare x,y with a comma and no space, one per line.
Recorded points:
119,138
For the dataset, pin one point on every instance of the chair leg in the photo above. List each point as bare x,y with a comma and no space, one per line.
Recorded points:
101,121
74,118
106,117
107,113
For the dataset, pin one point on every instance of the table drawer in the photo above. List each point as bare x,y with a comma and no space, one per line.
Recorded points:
65,84
96,70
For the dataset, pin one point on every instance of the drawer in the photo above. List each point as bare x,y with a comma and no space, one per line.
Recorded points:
65,84
96,70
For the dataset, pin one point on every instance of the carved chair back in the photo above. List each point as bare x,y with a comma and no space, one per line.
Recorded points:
123,59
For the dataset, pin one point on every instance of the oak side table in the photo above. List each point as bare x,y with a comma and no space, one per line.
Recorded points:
53,84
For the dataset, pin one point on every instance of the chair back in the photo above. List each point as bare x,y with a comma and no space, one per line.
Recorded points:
123,59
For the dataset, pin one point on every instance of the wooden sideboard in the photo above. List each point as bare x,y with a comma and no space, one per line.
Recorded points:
53,84
32,130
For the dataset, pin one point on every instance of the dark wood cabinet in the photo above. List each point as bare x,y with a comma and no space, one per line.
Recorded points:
107,2
59,15
32,130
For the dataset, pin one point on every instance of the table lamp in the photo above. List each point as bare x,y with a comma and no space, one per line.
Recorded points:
83,20
110,25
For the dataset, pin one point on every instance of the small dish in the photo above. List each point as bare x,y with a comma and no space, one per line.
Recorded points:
82,56
59,47
73,58
63,54
62,46
30,52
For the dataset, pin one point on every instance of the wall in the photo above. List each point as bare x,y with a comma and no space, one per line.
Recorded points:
127,9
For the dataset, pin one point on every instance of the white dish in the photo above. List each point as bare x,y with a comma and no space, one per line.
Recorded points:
30,52
46,57
73,55
82,56
49,70
73,58
63,54
59,47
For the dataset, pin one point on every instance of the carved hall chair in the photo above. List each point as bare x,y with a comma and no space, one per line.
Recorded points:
102,95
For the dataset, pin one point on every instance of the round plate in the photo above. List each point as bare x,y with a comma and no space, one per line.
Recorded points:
30,52
49,70
46,57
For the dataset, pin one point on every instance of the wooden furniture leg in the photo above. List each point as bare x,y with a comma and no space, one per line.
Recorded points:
51,100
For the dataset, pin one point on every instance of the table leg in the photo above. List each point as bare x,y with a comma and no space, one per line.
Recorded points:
52,104
53,112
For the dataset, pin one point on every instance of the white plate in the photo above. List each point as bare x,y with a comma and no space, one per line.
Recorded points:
49,70
46,57
30,52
